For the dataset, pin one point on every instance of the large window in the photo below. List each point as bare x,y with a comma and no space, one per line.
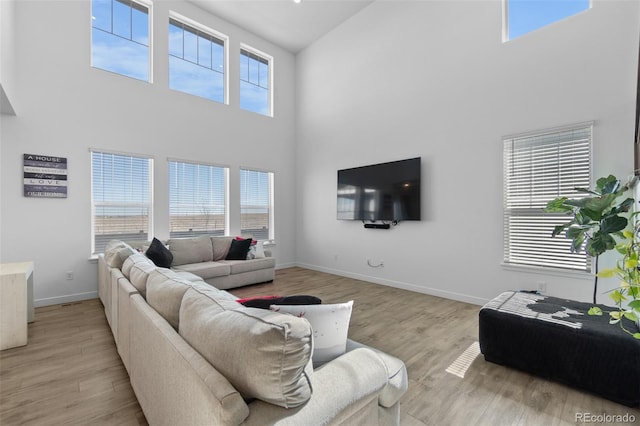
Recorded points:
538,168
121,198
120,37
255,81
197,199
196,60
524,16
256,204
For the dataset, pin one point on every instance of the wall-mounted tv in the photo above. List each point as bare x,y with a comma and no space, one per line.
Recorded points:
380,192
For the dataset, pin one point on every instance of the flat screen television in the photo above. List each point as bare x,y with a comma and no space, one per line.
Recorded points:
380,192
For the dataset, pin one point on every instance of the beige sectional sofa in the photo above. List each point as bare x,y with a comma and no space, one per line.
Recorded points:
195,356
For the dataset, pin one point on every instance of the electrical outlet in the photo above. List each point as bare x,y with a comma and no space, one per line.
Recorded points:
69,275
542,286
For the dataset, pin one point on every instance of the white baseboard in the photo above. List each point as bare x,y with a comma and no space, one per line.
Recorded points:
286,265
399,284
48,301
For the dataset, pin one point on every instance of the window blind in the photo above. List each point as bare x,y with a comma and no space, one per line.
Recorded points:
255,204
121,198
197,199
537,169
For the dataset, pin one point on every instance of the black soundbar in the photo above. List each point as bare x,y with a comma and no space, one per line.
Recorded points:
377,225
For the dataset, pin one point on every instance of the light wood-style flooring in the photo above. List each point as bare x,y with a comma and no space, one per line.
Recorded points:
70,372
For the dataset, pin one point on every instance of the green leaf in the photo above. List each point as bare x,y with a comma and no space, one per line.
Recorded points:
636,335
635,304
623,207
594,310
577,243
631,316
599,243
586,190
628,234
596,206
558,206
613,223
607,273
617,297
576,202
607,185
557,230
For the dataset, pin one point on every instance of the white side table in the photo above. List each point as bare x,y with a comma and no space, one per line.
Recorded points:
16,303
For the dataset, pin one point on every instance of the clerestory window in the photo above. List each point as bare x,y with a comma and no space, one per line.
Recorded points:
523,16
197,60
120,37
256,70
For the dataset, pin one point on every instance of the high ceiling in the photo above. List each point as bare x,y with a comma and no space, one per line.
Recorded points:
292,26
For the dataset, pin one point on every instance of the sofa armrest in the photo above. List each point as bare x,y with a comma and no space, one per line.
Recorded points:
341,388
397,374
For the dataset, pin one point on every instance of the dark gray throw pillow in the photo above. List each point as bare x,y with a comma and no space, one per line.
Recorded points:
239,249
159,254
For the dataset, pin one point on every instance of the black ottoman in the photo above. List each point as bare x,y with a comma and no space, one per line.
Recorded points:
556,339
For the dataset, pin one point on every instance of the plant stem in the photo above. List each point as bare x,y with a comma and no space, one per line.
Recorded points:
595,283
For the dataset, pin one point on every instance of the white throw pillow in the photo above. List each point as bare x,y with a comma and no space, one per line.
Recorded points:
259,254
330,325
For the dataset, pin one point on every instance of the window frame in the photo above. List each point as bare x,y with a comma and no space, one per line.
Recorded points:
149,205
148,5
225,171
270,208
223,38
270,66
536,230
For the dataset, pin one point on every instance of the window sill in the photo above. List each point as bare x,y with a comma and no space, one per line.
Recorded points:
578,275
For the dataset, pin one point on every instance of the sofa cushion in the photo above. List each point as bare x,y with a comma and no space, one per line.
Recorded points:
240,266
164,294
239,249
139,275
132,260
264,354
159,254
221,247
116,252
330,324
207,270
187,275
191,250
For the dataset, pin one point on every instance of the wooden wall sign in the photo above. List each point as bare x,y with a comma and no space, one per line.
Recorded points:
45,176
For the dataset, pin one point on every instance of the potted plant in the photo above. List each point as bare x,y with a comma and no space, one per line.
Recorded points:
596,219
627,295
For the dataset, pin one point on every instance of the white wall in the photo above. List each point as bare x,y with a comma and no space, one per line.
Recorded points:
66,107
7,57
433,79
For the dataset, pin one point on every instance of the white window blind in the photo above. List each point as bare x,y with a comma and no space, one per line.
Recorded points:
256,209
197,199
121,198
537,169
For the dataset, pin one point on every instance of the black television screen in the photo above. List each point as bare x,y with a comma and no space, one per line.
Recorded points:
386,191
